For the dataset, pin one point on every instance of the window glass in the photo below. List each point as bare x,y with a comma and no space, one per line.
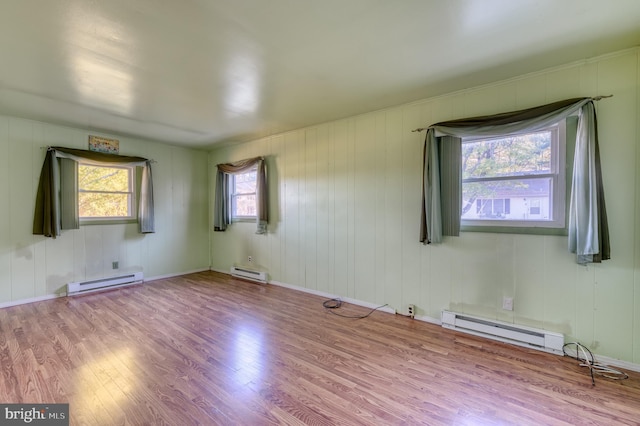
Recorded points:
514,180
105,192
243,195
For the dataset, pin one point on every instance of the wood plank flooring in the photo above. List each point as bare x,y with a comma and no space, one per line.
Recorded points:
206,349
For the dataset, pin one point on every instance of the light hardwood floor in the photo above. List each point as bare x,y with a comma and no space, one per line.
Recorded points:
208,349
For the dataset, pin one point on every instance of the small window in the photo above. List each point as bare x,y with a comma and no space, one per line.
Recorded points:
534,206
496,208
243,195
106,192
516,180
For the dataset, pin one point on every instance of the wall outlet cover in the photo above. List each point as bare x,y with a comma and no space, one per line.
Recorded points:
507,303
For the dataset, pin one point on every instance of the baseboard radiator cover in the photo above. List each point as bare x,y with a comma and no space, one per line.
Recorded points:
249,274
81,287
527,337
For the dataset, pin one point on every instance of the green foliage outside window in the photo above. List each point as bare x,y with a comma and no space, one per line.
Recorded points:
104,192
488,165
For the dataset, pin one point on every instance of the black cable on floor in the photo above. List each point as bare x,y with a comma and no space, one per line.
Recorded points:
332,303
588,360
336,303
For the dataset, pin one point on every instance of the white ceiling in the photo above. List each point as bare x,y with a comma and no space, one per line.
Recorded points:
199,72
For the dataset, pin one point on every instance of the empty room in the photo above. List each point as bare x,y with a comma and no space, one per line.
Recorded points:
337,212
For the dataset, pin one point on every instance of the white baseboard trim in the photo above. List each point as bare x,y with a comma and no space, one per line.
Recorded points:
177,274
436,321
63,294
611,362
617,363
386,309
31,300
324,294
424,318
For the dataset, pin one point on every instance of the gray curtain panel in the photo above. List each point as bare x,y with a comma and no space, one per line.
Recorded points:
222,209
56,199
588,227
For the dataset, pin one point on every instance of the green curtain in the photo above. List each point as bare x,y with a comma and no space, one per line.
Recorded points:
588,227
46,219
222,209
441,189
69,217
56,200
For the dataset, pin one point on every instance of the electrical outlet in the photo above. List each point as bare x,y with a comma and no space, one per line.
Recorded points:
114,265
412,310
250,259
507,303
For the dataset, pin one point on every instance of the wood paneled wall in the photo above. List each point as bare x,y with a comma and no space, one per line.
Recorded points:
33,267
346,205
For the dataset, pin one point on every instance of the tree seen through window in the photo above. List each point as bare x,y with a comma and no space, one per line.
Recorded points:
509,178
243,194
104,192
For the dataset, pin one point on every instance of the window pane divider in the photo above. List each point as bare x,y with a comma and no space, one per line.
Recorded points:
88,191
510,177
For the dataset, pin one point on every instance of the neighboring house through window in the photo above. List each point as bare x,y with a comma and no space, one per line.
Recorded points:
515,180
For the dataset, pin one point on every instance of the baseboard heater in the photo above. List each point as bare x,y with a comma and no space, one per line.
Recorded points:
104,283
528,337
249,274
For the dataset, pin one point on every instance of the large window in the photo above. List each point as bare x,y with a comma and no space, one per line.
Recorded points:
106,192
243,195
515,180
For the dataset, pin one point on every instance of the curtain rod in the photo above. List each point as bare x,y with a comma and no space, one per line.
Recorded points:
48,147
596,98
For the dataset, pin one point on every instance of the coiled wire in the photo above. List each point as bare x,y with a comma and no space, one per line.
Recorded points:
586,358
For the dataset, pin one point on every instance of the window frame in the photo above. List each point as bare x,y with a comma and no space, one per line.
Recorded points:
558,193
134,189
233,196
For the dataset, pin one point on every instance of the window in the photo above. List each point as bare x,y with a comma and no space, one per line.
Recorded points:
516,180
106,192
534,207
243,195
497,208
